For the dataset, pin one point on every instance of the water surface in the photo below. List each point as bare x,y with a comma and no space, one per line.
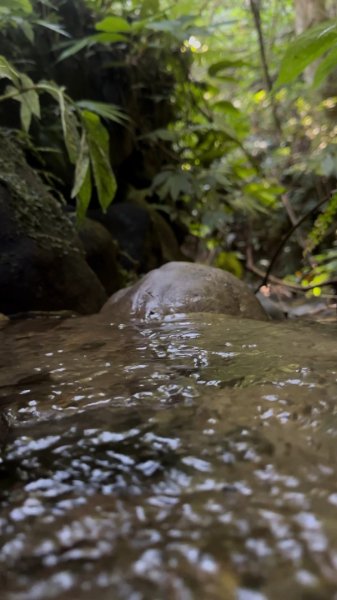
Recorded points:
189,459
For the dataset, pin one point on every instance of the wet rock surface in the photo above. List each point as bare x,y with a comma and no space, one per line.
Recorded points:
181,287
190,458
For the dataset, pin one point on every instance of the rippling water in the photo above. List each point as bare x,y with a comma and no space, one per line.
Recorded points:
189,459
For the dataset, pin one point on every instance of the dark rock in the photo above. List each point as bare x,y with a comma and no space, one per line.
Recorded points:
42,264
180,287
144,238
101,254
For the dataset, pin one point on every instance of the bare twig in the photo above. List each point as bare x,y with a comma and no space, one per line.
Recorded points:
288,235
268,81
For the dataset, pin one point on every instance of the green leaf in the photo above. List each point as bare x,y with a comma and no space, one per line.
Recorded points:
15,6
82,166
216,69
8,72
68,116
53,27
105,110
27,29
108,38
84,196
30,103
30,95
82,188
327,66
113,25
227,107
98,142
305,49
172,183
76,47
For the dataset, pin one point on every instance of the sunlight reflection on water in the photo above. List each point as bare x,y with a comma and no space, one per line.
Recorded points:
191,459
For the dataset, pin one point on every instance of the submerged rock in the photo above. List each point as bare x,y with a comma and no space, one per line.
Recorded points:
181,287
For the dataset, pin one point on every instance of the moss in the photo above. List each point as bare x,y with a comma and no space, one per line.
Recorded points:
37,214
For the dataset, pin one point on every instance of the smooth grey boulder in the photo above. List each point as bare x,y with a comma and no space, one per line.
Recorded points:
182,287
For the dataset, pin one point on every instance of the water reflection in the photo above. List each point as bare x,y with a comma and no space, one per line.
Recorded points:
191,459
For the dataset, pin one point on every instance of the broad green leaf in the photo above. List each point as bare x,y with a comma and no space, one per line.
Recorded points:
228,63
98,142
82,166
75,47
68,120
113,25
16,6
228,261
27,29
84,196
71,135
31,97
227,107
327,66
305,49
108,38
8,72
105,110
56,27
29,100
82,188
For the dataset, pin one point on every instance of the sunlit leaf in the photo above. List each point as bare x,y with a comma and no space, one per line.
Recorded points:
113,25
105,110
305,49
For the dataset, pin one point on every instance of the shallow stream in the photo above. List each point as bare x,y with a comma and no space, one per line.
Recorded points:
185,460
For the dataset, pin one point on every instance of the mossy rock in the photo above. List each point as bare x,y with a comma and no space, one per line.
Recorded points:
42,262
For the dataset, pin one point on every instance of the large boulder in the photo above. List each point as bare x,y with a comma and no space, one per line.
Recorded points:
181,287
144,238
101,254
42,263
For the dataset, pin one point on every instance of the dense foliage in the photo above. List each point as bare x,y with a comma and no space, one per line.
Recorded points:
227,137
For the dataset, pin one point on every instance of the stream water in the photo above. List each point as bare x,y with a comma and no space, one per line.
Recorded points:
189,459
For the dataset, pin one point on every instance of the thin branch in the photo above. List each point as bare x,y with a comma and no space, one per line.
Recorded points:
287,236
267,78
250,266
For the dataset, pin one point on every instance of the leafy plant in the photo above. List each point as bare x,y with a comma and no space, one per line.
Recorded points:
85,137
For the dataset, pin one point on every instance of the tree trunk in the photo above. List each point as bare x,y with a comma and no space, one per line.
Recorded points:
308,13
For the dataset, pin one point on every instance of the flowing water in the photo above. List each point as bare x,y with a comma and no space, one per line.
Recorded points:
189,459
